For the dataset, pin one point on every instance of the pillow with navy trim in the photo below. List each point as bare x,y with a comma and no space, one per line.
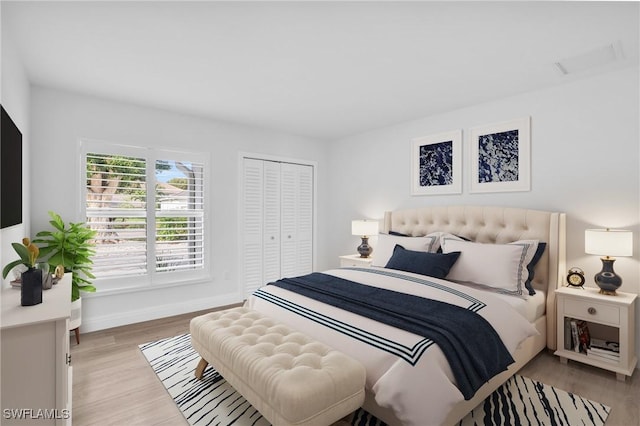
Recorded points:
442,235
383,249
502,267
435,265
531,267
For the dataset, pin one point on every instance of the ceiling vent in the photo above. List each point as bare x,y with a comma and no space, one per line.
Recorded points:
593,58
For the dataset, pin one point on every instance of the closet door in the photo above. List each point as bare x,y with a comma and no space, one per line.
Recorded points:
271,221
252,224
296,219
277,221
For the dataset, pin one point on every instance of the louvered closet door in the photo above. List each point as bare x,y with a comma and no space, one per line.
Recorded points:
271,219
253,224
296,219
277,221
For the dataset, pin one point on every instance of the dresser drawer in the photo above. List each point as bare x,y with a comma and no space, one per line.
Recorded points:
591,311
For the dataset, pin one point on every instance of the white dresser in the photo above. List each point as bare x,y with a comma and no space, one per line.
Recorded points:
36,371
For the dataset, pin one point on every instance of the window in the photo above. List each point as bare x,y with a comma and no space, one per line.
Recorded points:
147,207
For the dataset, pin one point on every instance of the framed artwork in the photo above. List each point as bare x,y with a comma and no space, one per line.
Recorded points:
499,157
436,164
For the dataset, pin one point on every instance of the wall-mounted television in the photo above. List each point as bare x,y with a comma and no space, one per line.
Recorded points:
10,172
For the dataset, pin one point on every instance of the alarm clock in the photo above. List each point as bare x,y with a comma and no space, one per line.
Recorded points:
575,277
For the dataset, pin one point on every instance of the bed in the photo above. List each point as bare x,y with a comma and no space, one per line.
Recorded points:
409,379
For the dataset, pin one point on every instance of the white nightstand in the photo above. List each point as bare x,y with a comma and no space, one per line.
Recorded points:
608,317
355,260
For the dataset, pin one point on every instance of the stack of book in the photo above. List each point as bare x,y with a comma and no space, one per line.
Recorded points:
604,350
579,332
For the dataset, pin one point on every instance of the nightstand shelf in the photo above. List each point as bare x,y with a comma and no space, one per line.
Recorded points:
609,318
355,260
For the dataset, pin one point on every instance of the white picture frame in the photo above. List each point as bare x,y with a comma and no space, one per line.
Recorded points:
500,157
436,164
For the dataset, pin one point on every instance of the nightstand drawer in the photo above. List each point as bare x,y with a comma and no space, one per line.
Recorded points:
591,311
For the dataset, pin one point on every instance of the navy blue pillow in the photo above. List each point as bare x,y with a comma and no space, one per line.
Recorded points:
531,266
399,234
435,265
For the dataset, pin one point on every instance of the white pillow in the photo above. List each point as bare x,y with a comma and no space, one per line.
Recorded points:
443,235
383,250
499,266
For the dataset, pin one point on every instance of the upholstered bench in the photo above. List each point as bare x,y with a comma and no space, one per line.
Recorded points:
287,376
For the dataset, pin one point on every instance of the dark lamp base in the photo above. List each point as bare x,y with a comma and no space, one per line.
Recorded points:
365,249
607,279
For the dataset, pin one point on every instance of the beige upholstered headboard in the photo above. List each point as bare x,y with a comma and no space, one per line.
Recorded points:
486,224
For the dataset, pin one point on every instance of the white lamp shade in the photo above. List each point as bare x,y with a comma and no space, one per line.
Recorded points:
364,227
608,242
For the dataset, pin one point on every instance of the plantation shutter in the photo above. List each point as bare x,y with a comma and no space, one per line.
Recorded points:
116,205
148,209
179,218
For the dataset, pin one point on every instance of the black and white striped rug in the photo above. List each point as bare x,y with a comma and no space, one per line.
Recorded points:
212,401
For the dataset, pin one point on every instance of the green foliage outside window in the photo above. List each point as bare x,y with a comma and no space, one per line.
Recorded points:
171,229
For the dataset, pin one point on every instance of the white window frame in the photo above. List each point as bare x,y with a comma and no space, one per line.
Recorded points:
151,279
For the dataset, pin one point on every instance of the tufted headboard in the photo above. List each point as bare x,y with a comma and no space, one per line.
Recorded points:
486,224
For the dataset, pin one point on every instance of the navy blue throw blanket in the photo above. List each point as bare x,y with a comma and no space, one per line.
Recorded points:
473,348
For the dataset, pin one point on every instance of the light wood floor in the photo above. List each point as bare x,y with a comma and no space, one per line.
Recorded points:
114,385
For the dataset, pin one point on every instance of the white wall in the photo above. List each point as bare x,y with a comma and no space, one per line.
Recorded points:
60,118
584,156
14,96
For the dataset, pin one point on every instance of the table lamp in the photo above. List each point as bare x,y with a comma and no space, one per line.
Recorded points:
364,228
608,243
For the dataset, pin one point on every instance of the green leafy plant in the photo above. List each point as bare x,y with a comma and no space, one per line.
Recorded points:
28,253
72,247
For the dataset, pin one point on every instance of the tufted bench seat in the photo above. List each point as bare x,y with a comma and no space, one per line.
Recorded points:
287,376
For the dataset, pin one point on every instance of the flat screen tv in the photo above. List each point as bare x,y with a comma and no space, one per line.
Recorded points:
10,172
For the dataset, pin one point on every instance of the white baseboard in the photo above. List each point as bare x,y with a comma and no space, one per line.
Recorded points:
156,312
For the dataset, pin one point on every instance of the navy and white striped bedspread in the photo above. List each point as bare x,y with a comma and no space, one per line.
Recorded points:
473,348
406,372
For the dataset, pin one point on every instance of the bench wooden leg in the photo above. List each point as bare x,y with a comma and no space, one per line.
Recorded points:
202,365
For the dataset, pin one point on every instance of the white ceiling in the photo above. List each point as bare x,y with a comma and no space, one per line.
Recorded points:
320,69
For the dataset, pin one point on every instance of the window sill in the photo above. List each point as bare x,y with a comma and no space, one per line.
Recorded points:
105,291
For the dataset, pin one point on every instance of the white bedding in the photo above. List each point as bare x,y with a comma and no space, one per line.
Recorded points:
405,372
532,308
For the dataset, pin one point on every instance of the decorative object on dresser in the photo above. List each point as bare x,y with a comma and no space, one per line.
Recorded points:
436,164
47,278
364,229
608,243
31,279
72,247
575,277
596,329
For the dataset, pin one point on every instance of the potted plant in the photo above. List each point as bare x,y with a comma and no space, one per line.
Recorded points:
72,247
31,279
